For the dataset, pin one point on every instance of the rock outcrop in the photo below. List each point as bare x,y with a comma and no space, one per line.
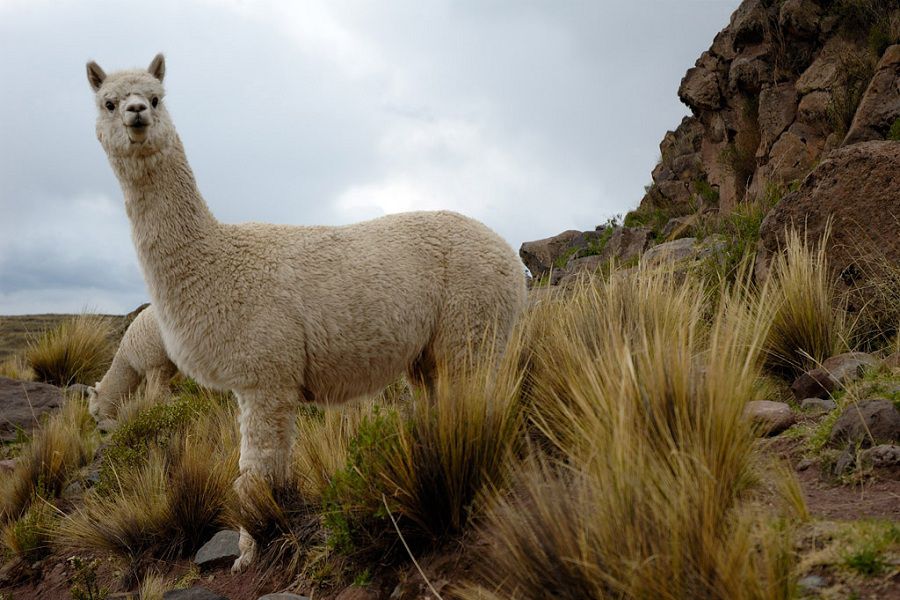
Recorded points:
776,91
855,192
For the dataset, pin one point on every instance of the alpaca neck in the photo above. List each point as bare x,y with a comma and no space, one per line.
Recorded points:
170,223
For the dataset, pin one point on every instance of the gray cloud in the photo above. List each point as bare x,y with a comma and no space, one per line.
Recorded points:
531,116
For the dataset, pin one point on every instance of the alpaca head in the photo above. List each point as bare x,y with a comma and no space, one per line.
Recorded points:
132,119
98,404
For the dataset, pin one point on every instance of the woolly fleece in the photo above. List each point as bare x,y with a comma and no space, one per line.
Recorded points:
140,355
285,314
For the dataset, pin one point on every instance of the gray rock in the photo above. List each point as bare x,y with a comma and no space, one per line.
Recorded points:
670,251
812,582
817,383
770,418
871,421
194,593
849,366
24,402
8,465
222,549
283,596
881,457
818,404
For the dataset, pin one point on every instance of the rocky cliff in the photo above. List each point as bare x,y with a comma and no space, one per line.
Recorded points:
784,84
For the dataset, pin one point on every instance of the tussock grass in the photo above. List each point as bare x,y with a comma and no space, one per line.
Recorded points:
167,505
808,326
78,350
60,447
643,383
28,537
16,367
427,465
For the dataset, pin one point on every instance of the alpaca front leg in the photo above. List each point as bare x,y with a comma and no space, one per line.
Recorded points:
267,423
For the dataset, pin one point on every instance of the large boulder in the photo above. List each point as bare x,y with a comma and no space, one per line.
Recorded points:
539,255
871,422
856,190
880,105
22,403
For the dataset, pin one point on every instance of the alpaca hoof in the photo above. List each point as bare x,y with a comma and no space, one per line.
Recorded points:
241,563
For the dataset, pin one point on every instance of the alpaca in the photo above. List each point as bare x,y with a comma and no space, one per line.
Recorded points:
140,355
284,314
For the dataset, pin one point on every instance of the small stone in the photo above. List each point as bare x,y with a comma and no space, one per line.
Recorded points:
194,593
812,582
873,421
221,550
283,596
769,417
8,465
805,464
827,405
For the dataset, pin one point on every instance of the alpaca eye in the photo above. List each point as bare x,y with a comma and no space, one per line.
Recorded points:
110,105
155,101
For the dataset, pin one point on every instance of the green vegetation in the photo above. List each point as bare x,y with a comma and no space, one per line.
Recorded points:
868,552
894,132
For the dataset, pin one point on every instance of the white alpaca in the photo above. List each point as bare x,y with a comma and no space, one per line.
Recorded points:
283,314
140,355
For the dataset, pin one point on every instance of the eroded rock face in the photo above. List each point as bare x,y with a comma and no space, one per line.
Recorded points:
857,190
539,255
880,105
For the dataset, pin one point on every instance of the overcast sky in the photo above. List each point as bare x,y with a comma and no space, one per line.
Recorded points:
533,117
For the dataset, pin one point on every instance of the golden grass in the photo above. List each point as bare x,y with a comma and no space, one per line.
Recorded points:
16,367
808,326
168,505
641,388
78,350
61,446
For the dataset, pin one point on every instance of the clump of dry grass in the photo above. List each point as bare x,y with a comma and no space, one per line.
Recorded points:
16,367
60,447
642,385
78,350
169,504
808,326
426,465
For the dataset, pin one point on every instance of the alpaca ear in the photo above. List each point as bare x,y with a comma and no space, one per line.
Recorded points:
157,67
95,75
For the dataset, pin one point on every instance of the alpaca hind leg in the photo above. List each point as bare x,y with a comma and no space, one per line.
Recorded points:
267,423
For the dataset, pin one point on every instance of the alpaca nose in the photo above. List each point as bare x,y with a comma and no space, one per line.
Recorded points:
136,106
